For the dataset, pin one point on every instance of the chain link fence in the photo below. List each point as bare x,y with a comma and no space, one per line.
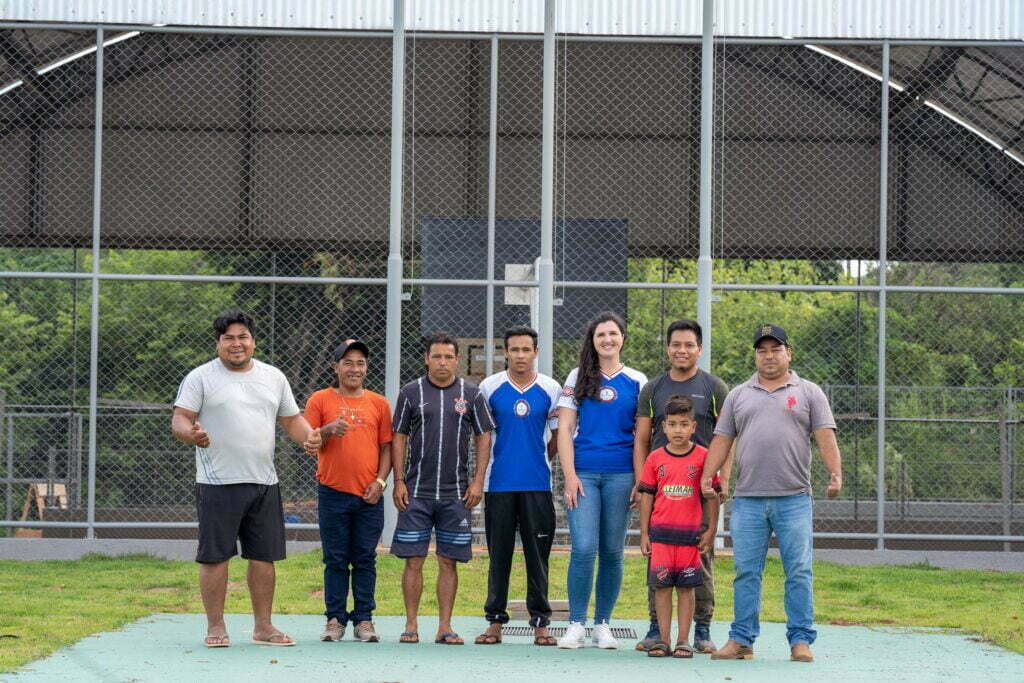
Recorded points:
254,171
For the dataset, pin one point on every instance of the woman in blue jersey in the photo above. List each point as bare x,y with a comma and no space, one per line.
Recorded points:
595,446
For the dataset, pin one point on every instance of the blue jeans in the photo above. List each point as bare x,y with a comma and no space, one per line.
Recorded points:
598,529
752,522
349,532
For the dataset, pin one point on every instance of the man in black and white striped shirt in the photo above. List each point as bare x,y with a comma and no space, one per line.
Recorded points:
436,416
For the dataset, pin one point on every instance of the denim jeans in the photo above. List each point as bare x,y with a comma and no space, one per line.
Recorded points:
598,529
752,522
349,532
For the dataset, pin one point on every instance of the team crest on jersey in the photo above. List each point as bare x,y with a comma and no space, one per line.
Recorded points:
521,408
607,394
568,391
692,471
461,405
661,471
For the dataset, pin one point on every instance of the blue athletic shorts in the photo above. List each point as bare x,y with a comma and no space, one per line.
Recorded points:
449,519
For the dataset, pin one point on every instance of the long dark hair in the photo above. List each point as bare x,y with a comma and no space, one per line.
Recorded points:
588,377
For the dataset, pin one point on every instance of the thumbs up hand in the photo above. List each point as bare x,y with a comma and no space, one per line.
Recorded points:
199,436
313,442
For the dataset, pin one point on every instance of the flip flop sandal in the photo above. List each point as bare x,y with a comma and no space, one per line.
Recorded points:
683,651
545,641
659,649
280,642
409,637
487,639
217,641
448,638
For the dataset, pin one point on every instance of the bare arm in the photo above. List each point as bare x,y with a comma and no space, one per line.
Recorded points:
475,492
829,449
646,505
725,473
186,429
567,456
299,431
400,494
374,489
717,453
707,539
641,445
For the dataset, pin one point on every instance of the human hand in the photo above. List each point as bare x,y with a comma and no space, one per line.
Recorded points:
336,428
835,485
573,491
645,545
199,436
706,488
400,495
724,493
707,542
313,442
474,494
634,497
373,492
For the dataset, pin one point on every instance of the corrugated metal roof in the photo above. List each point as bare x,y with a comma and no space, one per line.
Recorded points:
941,19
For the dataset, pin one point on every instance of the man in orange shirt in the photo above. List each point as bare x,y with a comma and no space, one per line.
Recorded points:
352,469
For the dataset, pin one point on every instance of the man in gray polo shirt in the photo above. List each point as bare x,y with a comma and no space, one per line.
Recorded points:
771,417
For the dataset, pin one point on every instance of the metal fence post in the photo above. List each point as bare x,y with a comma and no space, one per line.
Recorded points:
492,173
94,314
707,114
883,215
1006,467
393,346
545,265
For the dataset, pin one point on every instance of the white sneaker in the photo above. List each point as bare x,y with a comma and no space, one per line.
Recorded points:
602,637
574,637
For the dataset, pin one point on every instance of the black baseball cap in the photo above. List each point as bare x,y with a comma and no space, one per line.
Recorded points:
349,344
773,331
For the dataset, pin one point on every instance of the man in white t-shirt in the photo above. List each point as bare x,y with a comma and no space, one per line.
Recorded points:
227,409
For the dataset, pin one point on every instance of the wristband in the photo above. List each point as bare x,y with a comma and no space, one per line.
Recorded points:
383,484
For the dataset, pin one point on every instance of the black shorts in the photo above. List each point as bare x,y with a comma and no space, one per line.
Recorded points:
450,520
229,513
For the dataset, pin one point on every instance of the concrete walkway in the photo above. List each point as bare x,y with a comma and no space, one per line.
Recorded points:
168,648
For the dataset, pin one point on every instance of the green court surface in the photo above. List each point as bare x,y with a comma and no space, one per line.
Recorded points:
169,648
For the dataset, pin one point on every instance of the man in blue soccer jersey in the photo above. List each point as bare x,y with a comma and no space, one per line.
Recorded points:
436,416
518,484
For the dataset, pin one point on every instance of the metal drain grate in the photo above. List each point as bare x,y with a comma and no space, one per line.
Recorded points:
559,631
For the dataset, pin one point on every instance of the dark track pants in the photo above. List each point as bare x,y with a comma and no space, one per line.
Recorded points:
533,514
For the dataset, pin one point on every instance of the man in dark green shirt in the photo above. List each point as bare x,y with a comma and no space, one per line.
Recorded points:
707,392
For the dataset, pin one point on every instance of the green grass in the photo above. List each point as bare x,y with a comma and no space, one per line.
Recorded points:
47,605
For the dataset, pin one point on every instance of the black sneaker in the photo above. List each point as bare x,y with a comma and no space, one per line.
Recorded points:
653,636
702,639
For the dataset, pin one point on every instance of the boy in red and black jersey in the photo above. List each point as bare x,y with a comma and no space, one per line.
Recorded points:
671,511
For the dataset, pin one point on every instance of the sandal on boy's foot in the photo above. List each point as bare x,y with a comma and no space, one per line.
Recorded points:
448,638
683,650
410,637
733,650
217,641
488,639
276,638
658,649
545,641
